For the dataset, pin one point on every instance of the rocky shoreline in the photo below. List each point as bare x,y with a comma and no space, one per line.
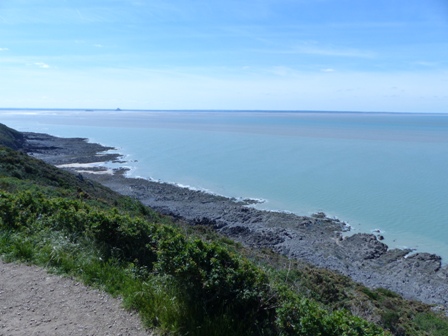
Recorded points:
316,239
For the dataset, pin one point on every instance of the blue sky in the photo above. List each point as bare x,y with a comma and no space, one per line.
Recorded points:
353,55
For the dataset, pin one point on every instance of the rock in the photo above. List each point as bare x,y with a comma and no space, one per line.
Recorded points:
425,261
320,214
365,246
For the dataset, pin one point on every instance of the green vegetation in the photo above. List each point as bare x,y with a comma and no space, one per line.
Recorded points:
10,137
182,279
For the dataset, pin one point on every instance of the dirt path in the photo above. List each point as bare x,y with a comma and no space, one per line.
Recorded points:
33,302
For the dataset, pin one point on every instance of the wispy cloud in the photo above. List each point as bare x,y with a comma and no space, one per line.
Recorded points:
328,70
367,24
425,63
335,52
282,71
79,15
42,65
318,50
4,49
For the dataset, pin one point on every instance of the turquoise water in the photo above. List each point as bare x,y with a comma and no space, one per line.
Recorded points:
375,171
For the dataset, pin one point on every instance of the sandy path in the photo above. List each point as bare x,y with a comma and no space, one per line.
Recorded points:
33,302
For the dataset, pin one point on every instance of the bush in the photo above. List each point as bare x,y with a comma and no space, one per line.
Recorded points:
297,315
215,280
432,324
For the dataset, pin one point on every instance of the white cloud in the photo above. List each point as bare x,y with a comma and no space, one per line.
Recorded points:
4,49
282,71
98,45
328,70
336,52
425,63
316,49
42,65
79,14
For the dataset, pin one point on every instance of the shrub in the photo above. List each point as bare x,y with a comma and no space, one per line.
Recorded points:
218,280
432,324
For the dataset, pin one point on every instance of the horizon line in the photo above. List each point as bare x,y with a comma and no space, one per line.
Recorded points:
208,110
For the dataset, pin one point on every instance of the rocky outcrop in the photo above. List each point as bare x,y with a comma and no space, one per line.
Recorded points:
60,151
367,246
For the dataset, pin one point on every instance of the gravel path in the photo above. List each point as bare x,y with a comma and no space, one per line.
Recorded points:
33,302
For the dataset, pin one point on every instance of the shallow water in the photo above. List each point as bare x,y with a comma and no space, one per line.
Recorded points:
375,171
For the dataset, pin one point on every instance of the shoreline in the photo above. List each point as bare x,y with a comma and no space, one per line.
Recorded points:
316,239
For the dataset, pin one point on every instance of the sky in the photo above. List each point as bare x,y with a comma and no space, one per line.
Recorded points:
339,55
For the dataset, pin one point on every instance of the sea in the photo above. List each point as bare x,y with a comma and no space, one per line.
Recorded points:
378,172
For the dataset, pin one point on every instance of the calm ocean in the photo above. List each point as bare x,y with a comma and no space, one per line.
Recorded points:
372,170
